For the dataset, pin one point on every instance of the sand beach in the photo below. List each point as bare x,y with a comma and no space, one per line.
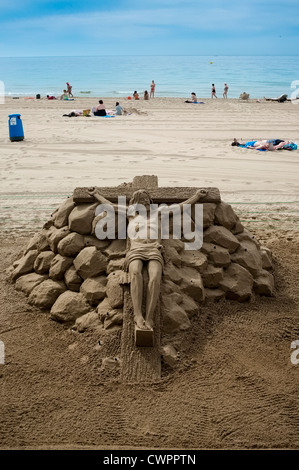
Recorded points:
235,386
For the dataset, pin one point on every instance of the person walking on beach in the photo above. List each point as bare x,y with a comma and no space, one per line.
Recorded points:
225,90
153,86
69,89
213,91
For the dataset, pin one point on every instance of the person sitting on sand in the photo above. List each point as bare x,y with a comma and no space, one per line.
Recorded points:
135,95
244,96
146,95
118,109
100,109
64,95
193,98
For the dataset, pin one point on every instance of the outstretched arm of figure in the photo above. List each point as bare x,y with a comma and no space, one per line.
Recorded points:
197,197
98,196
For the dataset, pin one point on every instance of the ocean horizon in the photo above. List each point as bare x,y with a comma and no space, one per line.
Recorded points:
175,76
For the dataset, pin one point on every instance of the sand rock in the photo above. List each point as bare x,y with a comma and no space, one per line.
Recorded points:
58,266
174,317
238,228
109,316
208,213
110,363
54,235
169,355
224,215
114,320
117,249
192,283
114,290
172,255
189,305
72,279
219,256
115,265
81,217
247,236
45,294
33,242
43,262
264,283
42,241
249,257
206,248
90,320
28,282
237,283
194,259
212,276
175,243
69,306
71,245
266,254
90,240
171,273
90,262
62,214
94,289
168,287
214,295
25,265
221,236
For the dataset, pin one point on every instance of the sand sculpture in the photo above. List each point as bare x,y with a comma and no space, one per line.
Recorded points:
82,280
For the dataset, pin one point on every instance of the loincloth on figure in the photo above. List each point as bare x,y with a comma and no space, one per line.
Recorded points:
145,252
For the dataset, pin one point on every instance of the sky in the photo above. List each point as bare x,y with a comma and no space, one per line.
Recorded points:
148,27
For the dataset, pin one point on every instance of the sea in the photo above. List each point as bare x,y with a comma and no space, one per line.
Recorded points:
175,76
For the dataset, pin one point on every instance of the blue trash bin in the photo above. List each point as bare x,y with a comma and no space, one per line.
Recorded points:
15,127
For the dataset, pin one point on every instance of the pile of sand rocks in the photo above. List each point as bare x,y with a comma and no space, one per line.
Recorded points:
66,270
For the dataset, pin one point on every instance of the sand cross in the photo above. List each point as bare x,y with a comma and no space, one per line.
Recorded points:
148,252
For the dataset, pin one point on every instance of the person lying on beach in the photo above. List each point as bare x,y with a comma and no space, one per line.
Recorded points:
51,97
78,112
74,113
193,98
279,99
272,144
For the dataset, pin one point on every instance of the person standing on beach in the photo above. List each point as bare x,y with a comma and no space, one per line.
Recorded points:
225,90
153,86
213,91
69,89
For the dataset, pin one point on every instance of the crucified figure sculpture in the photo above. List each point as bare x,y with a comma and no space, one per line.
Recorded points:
144,249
